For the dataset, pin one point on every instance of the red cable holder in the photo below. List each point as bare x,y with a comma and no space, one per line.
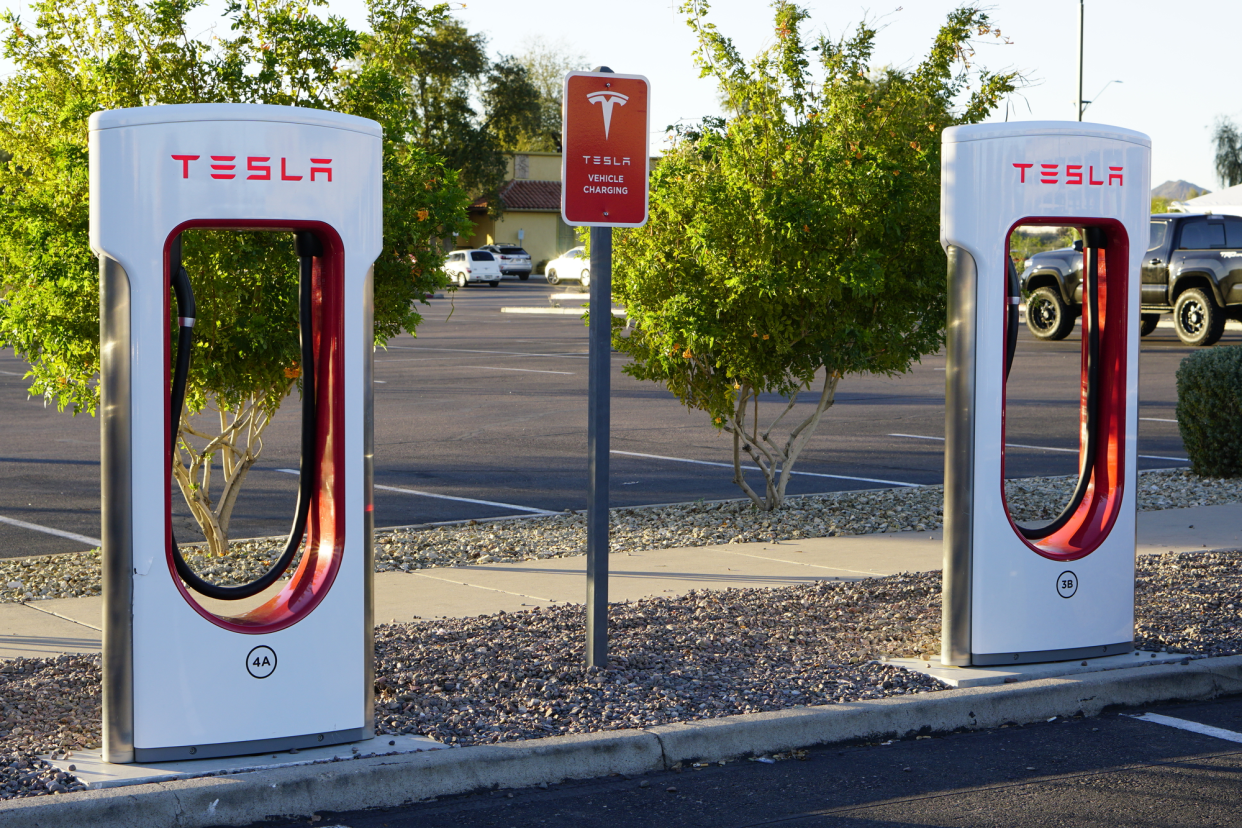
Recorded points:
325,522
1092,522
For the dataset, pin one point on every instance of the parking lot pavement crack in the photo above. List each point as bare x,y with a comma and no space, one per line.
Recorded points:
32,606
663,753
488,589
180,809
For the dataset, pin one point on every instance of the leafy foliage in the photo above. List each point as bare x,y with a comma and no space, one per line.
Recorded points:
1209,410
1228,159
798,237
546,65
81,57
442,67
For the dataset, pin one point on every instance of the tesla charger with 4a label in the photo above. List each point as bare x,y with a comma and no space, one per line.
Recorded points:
194,669
1015,592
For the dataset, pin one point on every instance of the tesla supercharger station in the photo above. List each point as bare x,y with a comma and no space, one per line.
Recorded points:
184,675
1016,593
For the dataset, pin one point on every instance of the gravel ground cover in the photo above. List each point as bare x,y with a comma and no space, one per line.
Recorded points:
632,530
701,655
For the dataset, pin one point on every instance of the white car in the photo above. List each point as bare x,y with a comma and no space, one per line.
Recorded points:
466,266
574,265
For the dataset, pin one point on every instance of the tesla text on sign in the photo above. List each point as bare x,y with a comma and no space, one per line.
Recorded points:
604,163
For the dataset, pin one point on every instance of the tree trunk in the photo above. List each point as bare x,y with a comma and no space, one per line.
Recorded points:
774,460
238,444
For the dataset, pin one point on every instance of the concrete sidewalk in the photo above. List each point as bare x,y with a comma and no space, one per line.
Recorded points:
73,625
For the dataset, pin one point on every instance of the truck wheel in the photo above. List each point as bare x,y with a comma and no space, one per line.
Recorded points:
552,278
1148,322
523,276
1047,316
1197,319
585,279
461,280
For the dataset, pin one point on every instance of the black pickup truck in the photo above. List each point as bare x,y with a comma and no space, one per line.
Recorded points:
1192,269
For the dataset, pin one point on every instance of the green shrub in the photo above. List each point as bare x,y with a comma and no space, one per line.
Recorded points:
1209,410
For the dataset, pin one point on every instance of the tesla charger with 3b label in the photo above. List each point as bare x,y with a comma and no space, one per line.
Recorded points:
1017,593
186,674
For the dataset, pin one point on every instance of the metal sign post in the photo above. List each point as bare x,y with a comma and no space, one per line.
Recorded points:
604,185
599,413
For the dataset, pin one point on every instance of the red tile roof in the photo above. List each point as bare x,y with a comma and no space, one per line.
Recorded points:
531,195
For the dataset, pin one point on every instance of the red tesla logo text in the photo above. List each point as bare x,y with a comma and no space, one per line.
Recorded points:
1051,174
257,167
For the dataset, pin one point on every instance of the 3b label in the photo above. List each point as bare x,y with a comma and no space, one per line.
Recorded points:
1067,584
261,662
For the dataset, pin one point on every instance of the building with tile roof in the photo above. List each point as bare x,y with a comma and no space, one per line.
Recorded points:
531,211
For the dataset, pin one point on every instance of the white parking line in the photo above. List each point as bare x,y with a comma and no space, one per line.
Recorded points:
1157,420
756,468
1043,448
524,370
477,351
11,374
60,533
476,367
420,493
1193,727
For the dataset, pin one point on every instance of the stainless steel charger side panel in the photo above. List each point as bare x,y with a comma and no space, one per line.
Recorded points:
117,515
368,461
959,457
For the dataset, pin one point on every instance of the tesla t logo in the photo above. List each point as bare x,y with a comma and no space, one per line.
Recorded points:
256,167
1051,174
606,100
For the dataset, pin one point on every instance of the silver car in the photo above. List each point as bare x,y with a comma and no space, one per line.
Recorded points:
513,259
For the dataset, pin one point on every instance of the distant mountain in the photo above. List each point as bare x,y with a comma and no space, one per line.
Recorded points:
1178,190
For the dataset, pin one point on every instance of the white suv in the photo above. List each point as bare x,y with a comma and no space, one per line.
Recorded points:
513,259
466,266
574,265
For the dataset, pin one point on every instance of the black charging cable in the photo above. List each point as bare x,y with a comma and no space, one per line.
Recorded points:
1094,240
1012,299
307,246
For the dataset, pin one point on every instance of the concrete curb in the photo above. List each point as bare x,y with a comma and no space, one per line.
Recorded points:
394,780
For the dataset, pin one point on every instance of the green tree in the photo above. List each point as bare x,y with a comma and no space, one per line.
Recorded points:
1228,143
445,69
546,65
81,57
796,240
1025,242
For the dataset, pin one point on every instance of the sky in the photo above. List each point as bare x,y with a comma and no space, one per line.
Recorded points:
1173,63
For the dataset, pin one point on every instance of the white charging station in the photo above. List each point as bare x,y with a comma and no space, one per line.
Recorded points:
183,676
1016,594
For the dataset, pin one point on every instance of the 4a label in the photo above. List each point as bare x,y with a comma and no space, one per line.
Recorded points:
261,662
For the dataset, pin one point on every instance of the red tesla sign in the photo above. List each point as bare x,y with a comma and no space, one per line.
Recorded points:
604,138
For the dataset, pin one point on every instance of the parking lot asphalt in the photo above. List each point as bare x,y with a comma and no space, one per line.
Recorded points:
484,415
1109,771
